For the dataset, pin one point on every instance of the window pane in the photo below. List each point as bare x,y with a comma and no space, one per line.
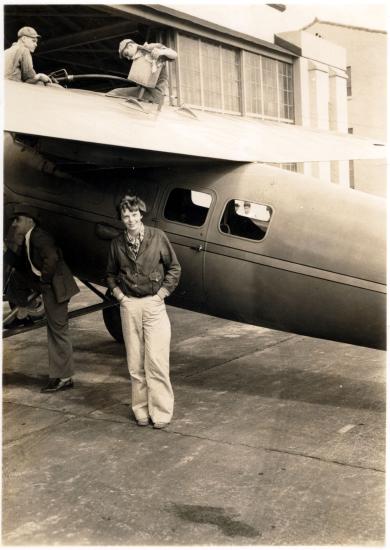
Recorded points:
286,91
291,166
352,174
349,82
211,71
231,79
270,86
252,76
351,167
209,75
186,206
246,219
189,70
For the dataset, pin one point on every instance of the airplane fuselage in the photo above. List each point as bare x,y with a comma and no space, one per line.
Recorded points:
318,269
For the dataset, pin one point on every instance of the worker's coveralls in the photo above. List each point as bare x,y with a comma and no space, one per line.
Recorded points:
157,93
18,63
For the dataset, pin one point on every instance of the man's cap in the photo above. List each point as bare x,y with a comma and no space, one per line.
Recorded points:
123,44
24,209
28,31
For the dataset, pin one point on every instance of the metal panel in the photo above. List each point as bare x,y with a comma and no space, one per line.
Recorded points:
291,301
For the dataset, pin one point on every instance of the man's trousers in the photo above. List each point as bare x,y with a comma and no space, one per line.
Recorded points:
59,344
58,339
147,334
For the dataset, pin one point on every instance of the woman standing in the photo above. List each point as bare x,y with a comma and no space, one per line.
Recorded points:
142,271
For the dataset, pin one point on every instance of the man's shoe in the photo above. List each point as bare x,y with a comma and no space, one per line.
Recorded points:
17,323
57,384
143,422
160,425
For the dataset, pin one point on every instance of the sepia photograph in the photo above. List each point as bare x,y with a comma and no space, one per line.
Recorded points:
194,274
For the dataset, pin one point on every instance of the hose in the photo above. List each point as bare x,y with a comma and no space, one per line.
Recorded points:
75,77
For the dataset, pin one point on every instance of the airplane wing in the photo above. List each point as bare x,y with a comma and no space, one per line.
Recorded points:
92,117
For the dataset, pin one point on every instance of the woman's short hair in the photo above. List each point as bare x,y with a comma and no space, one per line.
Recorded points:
132,203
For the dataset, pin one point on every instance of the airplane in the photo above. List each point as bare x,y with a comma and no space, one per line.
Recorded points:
310,258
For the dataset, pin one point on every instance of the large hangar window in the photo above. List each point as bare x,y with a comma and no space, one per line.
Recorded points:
187,206
211,78
269,87
290,166
243,218
209,75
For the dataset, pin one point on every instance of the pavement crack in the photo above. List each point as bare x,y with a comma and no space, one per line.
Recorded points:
38,431
72,416
251,352
281,451
327,461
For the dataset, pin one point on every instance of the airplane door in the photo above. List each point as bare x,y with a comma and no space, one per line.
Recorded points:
184,217
238,284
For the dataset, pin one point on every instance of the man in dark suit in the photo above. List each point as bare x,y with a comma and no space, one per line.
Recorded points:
39,266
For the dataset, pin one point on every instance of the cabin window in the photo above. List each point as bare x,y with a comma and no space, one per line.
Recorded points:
243,218
187,206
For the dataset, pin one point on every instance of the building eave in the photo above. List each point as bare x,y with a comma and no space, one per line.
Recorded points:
342,25
189,23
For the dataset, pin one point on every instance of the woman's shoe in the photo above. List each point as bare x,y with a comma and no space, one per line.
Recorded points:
160,425
143,422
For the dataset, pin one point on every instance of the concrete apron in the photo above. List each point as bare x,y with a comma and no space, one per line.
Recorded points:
276,440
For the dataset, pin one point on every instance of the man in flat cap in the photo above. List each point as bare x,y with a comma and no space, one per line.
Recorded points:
18,63
38,265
